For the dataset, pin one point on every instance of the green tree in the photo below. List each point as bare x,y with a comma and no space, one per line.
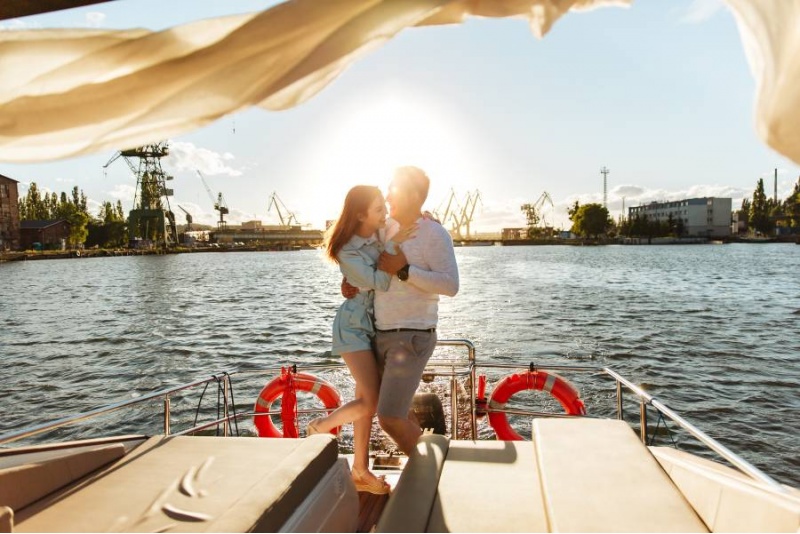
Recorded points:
114,220
791,206
590,220
33,207
532,217
77,220
758,218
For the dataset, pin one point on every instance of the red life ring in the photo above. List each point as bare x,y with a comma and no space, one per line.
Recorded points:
558,387
286,385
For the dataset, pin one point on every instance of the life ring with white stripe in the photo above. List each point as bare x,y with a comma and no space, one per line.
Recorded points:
560,388
285,387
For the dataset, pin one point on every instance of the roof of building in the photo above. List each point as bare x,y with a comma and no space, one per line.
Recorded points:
7,178
38,225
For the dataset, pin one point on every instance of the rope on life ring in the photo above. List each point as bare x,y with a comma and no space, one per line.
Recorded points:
560,388
285,387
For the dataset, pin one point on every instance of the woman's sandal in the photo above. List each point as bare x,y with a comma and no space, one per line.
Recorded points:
376,486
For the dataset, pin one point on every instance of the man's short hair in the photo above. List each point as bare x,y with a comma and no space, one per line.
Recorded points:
415,179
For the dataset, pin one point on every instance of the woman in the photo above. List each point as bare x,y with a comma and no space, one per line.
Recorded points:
354,245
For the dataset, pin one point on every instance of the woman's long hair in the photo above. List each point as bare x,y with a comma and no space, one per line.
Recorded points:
356,203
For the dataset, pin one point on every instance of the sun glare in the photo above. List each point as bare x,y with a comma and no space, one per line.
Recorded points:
368,142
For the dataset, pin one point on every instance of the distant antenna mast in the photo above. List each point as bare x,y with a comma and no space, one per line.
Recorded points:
604,171
776,187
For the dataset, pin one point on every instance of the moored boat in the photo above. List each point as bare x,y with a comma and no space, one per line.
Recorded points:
577,473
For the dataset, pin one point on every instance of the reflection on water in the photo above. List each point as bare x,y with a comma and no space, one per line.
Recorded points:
710,330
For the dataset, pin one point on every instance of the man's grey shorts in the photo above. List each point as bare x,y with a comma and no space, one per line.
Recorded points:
402,357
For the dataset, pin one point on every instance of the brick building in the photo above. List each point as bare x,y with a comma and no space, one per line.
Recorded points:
9,214
52,235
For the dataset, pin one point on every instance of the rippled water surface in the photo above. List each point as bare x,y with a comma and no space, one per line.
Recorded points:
710,330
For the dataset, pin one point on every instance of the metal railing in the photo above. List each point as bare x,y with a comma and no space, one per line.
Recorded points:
452,369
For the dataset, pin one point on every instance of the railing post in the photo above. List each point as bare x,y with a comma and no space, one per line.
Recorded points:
473,378
166,414
643,419
453,406
620,414
225,387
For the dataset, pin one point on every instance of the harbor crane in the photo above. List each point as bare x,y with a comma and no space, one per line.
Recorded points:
290,217
219,203
151,220
188,218
459,216
534,213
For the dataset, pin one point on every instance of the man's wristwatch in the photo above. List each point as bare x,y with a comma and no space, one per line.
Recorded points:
402,274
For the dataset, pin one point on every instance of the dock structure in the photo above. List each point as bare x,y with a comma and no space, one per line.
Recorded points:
253,233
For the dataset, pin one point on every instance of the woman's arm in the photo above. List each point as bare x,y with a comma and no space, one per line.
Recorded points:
360,274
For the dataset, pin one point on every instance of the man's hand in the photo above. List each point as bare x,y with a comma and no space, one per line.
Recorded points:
391,263
348,291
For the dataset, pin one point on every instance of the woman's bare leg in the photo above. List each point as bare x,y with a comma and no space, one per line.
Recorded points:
362,429
365,372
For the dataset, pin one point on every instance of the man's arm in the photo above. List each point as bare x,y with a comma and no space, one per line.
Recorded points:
442,278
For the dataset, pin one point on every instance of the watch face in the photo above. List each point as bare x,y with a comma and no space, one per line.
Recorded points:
402,274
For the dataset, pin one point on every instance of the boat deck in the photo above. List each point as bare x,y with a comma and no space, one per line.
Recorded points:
575,475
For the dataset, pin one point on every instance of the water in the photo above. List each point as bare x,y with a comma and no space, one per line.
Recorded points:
709,330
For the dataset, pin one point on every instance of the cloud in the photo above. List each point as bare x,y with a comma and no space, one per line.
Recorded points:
186,156
17,24
627,191
701,10
123,192
95,19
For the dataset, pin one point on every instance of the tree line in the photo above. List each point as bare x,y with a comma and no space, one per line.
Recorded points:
761,213
107,229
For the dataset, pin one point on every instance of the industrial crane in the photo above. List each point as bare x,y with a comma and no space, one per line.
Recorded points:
151,219
278,203
460,216
219,203
469,211
534,212
188,218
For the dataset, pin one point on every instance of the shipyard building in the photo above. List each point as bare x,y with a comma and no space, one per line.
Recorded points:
701,217
9,214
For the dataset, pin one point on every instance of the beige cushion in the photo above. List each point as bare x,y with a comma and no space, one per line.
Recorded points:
194,484
23,484
411,501
489,486
727,500
598,476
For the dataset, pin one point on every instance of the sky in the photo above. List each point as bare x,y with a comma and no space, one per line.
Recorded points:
659,93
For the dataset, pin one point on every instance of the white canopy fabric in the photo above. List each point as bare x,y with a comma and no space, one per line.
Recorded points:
65,93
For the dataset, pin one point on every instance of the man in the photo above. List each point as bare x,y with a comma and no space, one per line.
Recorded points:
407,314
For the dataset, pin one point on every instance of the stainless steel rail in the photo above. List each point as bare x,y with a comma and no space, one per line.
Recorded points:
165,393
707,440
448,368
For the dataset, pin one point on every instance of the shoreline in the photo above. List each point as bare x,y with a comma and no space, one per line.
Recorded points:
105,253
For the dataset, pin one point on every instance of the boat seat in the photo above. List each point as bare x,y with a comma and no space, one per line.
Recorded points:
727,500
199,484
577,475
21,485
597,475
467,486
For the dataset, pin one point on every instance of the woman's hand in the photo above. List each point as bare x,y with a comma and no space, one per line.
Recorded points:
430,216
405,233
348,291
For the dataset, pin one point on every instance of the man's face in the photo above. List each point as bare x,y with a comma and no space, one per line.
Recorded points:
399,198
